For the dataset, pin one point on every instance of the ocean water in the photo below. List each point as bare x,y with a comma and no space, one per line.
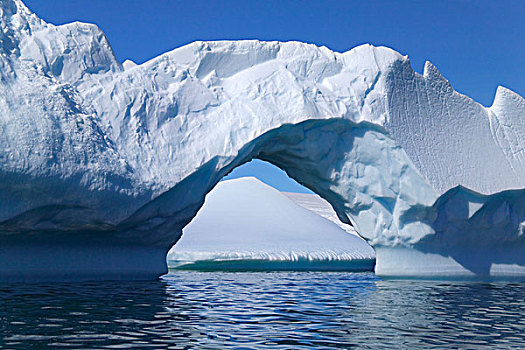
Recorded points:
259,310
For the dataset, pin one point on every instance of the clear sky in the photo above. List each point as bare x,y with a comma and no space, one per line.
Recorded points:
477,45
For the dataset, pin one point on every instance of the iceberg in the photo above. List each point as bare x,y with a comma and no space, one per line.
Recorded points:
103,164
245,224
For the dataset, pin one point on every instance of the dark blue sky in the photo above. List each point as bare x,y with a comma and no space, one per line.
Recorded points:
477,45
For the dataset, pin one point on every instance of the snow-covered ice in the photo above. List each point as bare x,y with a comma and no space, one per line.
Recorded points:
246,224
321,207
98,157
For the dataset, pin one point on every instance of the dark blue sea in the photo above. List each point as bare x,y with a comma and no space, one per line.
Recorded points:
263,310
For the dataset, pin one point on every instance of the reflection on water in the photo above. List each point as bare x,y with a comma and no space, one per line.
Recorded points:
263,310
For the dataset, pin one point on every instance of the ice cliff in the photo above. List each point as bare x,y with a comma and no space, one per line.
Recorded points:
102,165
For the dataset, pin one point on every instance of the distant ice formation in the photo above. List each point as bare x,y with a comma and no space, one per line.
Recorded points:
245,224
321,207
102,165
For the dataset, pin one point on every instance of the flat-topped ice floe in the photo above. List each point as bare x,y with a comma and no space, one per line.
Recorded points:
248,225
101,166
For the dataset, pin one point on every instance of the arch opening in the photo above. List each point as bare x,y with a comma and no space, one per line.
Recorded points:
246,224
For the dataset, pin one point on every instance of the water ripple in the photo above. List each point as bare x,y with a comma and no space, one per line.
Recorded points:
282,310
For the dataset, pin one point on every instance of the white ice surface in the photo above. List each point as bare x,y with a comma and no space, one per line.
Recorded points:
321,207
245,219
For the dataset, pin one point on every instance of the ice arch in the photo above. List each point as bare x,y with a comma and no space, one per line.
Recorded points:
101,165
343,162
